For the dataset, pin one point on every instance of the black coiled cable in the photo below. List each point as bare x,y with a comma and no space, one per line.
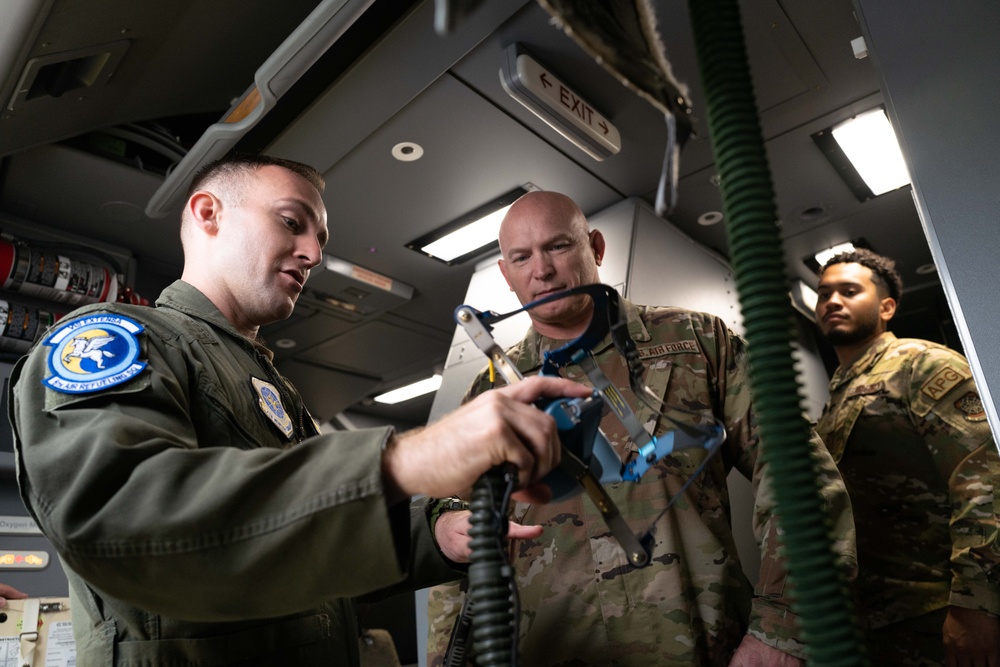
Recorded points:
491,581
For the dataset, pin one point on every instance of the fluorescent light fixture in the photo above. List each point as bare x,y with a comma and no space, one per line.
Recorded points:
804,299
473,236
824,256
870,145
817,261
865,153
469,235
410,391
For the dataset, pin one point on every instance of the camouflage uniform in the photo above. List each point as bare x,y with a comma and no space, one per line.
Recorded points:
909,433
581,602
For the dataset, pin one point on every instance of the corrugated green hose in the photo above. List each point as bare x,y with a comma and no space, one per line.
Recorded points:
820,593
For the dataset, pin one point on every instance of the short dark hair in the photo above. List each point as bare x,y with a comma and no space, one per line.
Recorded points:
235,166
884,273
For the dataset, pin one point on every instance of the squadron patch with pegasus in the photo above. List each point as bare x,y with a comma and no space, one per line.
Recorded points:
94,352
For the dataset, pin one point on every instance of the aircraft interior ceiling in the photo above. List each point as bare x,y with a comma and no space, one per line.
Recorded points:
85,159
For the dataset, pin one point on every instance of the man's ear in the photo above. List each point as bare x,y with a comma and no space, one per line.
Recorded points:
887,308
598,245
503,270
204,208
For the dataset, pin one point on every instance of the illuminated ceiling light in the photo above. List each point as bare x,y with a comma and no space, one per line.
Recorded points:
474,235
410,391
865,153
817,261
468,236
804,299
824,256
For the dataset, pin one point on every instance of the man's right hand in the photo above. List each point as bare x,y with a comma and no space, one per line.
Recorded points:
496,427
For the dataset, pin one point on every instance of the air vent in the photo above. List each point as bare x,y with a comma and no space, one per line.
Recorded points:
56,74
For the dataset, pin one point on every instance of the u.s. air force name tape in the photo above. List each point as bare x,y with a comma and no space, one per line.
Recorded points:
94,352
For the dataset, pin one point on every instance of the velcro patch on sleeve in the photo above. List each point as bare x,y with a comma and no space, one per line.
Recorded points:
971,406
92,353
942,382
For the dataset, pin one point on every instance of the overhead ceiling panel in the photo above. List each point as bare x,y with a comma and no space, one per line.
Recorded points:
379,348
173,61
473,152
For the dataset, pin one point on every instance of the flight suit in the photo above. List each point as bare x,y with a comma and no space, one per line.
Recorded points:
201,517
581,602
909,434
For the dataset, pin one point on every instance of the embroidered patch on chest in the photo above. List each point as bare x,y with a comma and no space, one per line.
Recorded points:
942,382
269,401
662,349
94,352
972,406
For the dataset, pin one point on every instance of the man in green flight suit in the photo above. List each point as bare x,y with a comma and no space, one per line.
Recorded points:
907,428
201,516
582,602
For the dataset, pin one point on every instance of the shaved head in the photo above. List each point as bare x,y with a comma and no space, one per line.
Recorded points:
537,207
546,247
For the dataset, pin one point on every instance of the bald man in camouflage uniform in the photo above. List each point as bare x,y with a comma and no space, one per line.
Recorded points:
908,431
582,603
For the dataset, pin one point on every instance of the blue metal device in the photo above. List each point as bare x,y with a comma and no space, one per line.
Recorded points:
589,461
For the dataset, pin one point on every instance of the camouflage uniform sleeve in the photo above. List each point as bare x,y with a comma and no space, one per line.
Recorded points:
946,407
771,618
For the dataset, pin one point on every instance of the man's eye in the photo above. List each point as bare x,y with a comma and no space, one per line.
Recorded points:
291,223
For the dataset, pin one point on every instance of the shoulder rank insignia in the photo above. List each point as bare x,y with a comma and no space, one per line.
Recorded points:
972,406
269,401
93,353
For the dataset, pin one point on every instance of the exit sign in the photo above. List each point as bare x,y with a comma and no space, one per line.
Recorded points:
565,110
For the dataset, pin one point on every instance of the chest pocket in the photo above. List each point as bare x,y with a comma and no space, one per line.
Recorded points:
684,390
229,416
685,398
838,421
229,406
657,381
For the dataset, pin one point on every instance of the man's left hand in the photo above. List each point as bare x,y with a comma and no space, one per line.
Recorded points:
752,652
971,638
452,534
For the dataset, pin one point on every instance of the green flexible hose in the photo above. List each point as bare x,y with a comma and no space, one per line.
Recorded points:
820,593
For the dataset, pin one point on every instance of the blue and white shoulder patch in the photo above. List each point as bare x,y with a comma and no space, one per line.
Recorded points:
92,353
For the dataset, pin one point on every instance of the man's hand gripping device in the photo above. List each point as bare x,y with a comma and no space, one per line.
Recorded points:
588,460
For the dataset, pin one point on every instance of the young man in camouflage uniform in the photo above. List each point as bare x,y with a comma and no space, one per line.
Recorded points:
582,603
202,517
908,431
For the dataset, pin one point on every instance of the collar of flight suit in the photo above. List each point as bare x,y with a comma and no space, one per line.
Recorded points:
188,299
